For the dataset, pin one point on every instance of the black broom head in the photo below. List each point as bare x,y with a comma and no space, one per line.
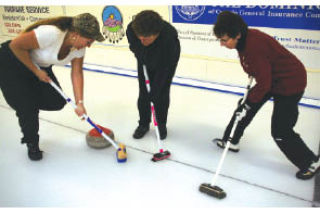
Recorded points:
161,156
214,191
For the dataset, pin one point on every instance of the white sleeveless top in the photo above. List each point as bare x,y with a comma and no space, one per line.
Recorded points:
50,39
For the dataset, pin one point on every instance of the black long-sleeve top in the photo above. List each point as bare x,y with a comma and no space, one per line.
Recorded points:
160,57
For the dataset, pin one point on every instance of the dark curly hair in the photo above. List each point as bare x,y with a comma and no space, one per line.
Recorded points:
229,24
147,23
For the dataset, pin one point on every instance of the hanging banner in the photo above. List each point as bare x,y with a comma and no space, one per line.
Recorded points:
295,27
15,19
290,16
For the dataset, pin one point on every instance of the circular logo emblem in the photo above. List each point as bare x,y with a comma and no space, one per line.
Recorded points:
112,24
190,12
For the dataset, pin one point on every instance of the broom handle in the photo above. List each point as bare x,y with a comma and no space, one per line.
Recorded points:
155,123
214,180
83,115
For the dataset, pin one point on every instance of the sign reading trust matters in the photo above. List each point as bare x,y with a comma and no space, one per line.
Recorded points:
282,16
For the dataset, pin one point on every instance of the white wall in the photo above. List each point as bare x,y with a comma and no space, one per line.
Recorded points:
220,71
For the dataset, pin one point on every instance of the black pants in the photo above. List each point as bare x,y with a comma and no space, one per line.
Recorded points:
284,117
161,99
26,94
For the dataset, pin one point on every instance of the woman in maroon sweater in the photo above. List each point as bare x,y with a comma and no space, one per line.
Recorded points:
279,75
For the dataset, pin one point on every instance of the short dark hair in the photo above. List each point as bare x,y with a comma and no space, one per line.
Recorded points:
147,23
229,24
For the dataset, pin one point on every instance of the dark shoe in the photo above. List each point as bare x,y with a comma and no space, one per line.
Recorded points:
163,131
313,169
140,131
34,152
222,144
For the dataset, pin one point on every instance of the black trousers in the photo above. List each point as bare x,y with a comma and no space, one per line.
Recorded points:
284,117
26,94
160,97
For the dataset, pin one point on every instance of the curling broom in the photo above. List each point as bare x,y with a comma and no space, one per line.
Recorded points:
121,148
161,155
212,189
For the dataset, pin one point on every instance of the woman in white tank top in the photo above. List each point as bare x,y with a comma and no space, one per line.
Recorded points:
26,63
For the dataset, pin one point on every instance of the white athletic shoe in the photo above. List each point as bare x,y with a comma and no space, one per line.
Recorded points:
222,144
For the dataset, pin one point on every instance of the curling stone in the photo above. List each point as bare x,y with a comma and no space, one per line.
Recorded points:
96,140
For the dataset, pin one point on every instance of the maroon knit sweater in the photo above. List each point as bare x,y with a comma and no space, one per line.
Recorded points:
274,68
